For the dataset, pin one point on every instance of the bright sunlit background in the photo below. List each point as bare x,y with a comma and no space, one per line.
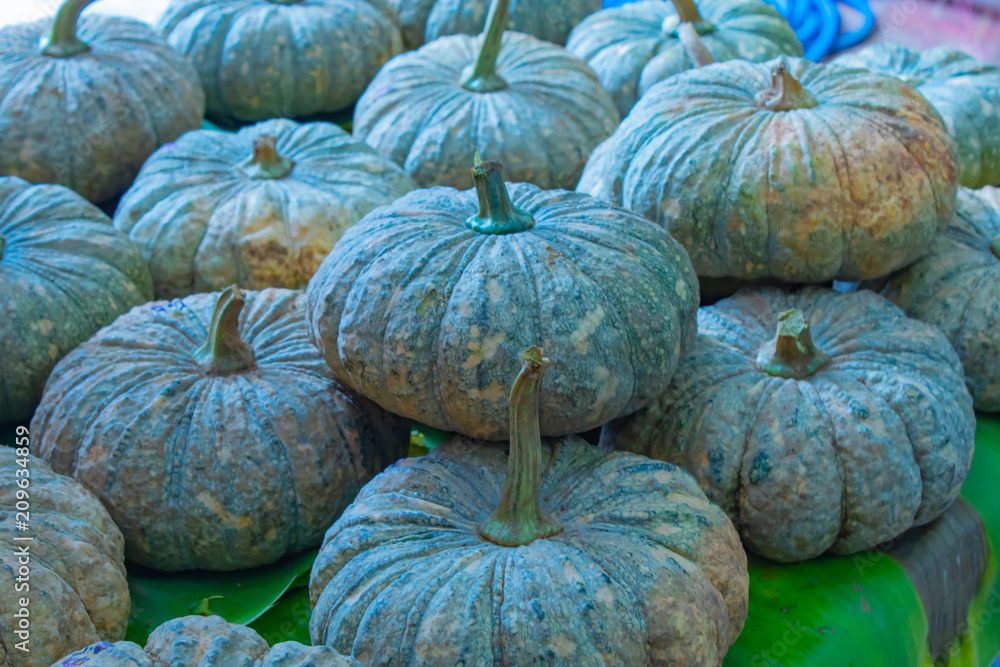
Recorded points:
20,11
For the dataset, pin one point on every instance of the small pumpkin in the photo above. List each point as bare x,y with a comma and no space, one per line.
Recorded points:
527,103
840,431
212,430
637,45
558,554
259,208
261,59
84,102
76,588
425,305
65,272
786,169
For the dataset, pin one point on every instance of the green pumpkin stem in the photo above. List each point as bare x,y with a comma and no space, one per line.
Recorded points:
497,213
482,76
62,41
792,353
3,245
266,163
785,93
994,247
224,351
519,518
696,49
687,13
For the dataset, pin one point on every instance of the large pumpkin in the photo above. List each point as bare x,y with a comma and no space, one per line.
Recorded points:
68,562
84,103
425,305
964,90
64,273
260,208
637,45
261,59
212,430
785,169
840,431
532,105
558,554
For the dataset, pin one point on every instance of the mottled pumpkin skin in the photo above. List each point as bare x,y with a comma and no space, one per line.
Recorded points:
206,470
78,591
64,273
646,571
542,127
851,189
204,224
635,46
89,121
964,90
260,59
875,442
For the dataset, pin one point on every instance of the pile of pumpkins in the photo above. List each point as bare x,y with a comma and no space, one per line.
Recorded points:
225,371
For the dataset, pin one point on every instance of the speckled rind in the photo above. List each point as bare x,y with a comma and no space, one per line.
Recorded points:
645,572
542,127
852,189
204,225
630,51
259,59
89,121
429,319
64,273
106,654
78,594
964,90
875,442
207,471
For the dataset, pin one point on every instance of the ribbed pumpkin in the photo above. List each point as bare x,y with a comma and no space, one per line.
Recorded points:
261,59
260,208
637,45
558,554
426,305
84,102
76,588
212,430
64,273
964,90
527,103
785,169
843,429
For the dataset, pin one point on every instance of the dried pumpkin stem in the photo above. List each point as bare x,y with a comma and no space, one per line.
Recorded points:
519,518
266,163
792,353
62,41
693,45
785,93
482,76
687,13
497,213
224,351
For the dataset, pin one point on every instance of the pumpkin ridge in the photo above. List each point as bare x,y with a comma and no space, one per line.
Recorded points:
816,398
767,391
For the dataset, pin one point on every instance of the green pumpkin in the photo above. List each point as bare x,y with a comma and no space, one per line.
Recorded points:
259,208
261,59
787,169
559,554
65,272
425,305
212,430
637,45
964,90
84,102
527,103
818,420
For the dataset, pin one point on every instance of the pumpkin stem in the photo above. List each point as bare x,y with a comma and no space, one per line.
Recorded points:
792,353
785,93
695,48
497,213
3,245
62,41
224,351
266,163
481,76
994,247
687,12
519,518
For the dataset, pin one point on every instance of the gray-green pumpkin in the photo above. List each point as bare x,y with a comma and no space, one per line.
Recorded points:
785,169
84,102
261,59
527,103
818,420
65,272
637,45
259,208
964,90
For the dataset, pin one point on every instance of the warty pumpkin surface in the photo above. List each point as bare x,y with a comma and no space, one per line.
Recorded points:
212,430
558,554
78,593
785,169
84,103
259,208
840,431
425,305
65,272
